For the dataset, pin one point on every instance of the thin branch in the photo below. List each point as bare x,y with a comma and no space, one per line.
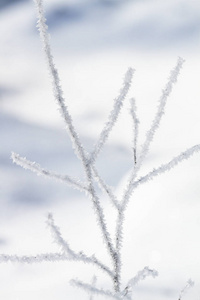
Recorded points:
101,220
47,257
36,168
135,129
105,188
118,240
102,223
57,90
141,275
57,237
161,108
94,280
91,289
120,213
120,219
113,116
65,247
189,284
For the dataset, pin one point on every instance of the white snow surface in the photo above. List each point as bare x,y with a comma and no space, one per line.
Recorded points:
94,42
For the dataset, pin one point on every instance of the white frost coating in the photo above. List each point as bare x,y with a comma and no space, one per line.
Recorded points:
36,168
135,128
91,289
118,103
57,90
189,284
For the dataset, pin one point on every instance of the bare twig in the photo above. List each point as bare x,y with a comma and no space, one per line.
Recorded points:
105,188
189,284
47,257
91,289
57,90
36,168
118,102
135,129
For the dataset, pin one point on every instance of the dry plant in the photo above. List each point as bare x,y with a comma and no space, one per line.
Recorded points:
88,160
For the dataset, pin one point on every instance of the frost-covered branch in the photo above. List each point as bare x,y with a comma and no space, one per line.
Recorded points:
189,284
91,289
113,116
161,108
135,128
36,168
58,237
166,167
47,257
102,223
141,275
57,90
118,240
155,124
121,216
65,247
94,280
105,188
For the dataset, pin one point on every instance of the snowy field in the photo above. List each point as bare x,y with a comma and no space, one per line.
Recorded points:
94,42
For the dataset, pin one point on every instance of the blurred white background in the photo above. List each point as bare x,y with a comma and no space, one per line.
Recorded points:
94,42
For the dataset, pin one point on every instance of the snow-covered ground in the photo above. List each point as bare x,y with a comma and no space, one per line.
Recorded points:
94,42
